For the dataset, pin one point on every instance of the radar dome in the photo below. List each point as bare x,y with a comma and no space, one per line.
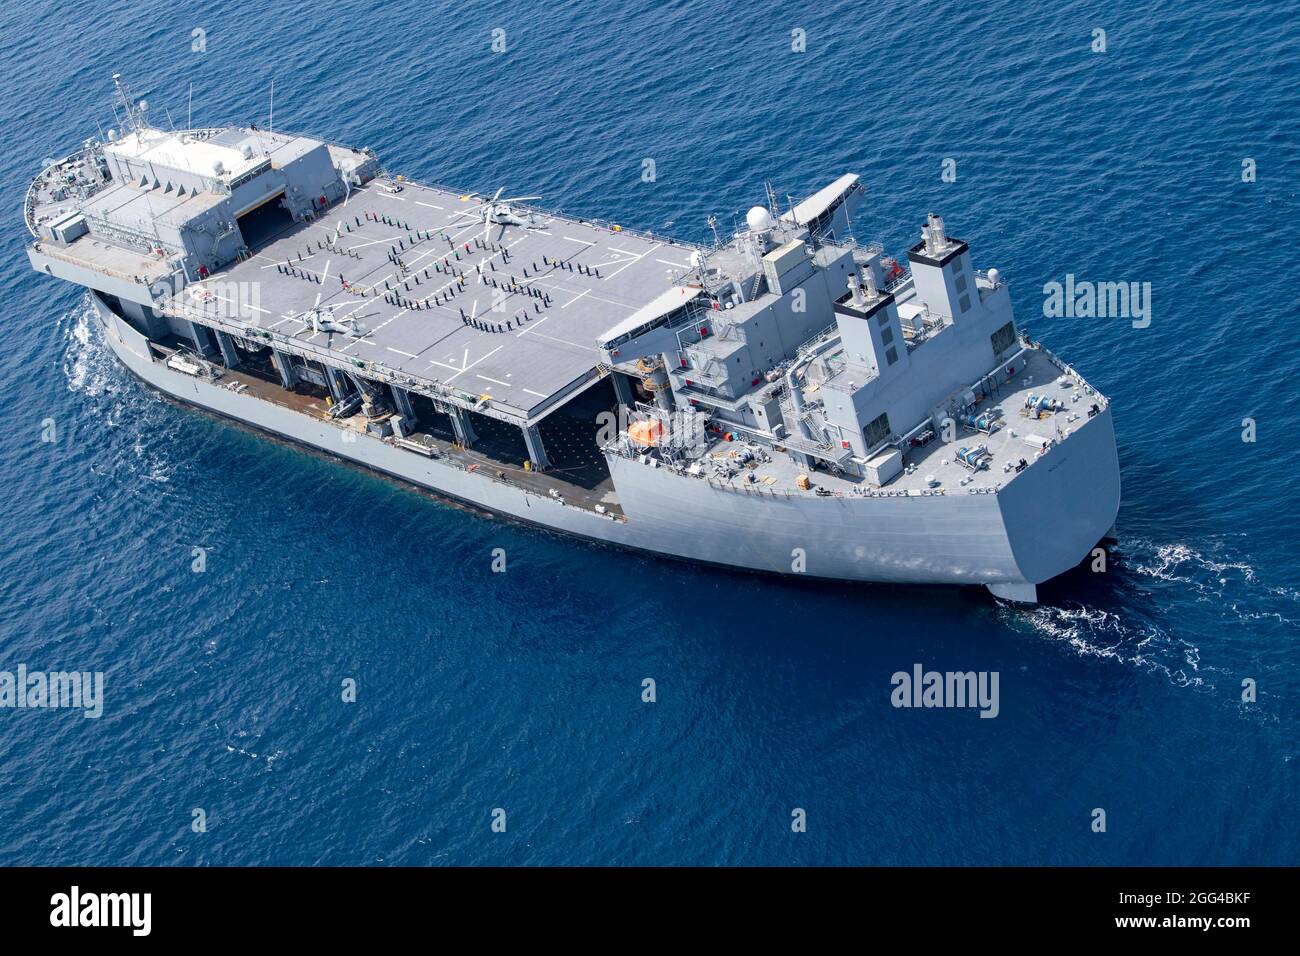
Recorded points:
759,219
697,259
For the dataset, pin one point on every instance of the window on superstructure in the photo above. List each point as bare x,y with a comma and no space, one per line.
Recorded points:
960,283
877,431
1003,338
887,335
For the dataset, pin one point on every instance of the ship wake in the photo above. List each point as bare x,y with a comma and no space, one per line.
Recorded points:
1125,637
1218,600
113,400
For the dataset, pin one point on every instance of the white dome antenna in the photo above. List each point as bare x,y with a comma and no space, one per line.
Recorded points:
758,219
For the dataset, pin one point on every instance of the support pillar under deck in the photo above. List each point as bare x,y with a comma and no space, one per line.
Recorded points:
658,383
536,450
285,369
461,423
229,354
371,391
623,389
402,401
338,383
199,336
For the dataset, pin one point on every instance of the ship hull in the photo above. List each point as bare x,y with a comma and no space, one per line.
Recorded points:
1011,541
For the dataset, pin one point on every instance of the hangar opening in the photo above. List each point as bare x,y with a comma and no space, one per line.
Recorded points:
265,221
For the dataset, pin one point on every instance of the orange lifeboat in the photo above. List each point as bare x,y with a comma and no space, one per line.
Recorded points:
648,433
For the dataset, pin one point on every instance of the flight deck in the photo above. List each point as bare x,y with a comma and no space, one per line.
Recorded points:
420,284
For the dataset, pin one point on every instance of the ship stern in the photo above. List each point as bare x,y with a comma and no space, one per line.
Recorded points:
1058,509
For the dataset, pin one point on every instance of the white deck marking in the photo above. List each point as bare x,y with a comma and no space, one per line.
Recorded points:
400,352
575,299
538,394
290,259
432,251
241,305
475,362
357,305
572,345
634,261
374,242
429,204
494,381
369,332
532,327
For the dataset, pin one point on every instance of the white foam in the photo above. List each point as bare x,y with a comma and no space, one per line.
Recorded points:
92,371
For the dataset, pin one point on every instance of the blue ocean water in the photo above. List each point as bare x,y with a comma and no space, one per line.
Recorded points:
521,691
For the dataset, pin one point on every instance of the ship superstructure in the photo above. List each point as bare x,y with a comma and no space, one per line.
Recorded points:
787,400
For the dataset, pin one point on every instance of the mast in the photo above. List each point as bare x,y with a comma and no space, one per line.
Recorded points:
134,113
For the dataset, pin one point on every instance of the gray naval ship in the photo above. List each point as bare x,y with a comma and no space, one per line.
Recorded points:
787,400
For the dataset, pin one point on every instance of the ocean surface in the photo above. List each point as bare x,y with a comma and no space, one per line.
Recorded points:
522,691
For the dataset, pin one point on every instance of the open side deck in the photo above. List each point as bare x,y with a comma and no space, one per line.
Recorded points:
579,473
